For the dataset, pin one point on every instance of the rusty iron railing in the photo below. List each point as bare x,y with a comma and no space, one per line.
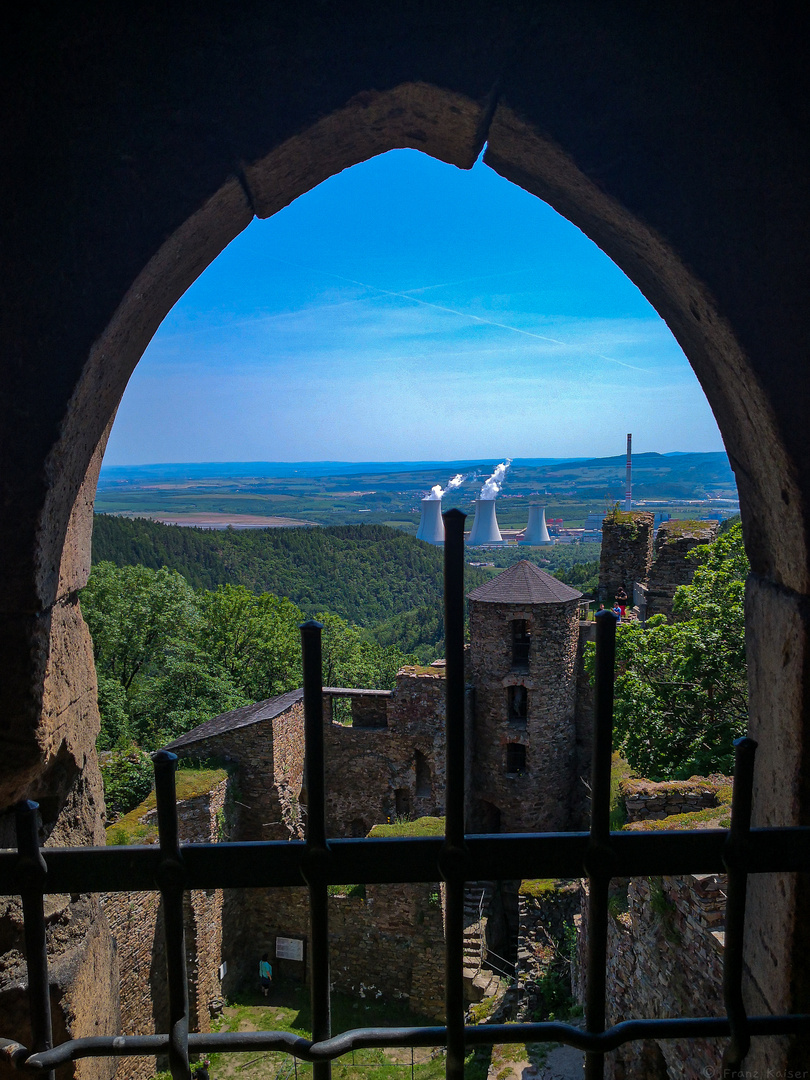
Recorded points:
457,858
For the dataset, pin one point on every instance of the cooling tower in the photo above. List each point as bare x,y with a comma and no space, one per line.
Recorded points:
536,531
431,526
485,525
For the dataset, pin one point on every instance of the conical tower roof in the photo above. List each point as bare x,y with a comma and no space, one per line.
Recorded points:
524,583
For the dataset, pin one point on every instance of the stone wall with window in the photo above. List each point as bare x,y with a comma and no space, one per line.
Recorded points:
522,663
375,774
385,941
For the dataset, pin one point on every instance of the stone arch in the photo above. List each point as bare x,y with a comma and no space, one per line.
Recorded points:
423,780
357,829
676,146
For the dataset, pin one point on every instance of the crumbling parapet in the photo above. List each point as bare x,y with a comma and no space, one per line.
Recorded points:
672,566
627,551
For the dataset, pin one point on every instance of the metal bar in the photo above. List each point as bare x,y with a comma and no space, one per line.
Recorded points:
301,1049
599,857
314,870
170,880
452,860
735,861
31,866
371,861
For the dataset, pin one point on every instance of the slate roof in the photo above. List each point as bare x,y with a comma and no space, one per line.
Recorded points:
238,718
524,583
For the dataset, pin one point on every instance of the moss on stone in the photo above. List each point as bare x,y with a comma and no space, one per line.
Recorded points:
539,887
677,527
712,817
426,826
131,829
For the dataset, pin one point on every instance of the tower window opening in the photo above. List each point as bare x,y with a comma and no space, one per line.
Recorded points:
402,802
521,645
518,704
422,769
515,759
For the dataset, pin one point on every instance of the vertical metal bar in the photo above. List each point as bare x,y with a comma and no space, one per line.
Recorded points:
734,858
315,772
33,869
452,860
170,873
598,857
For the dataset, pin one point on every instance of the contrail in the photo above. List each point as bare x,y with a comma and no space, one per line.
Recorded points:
463,281
260,318
461,314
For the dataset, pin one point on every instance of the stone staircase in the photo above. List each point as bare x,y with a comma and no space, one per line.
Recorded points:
479,981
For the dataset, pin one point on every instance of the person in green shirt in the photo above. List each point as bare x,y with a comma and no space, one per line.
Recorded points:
265,974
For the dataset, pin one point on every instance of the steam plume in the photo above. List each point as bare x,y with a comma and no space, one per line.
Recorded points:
493,485
437,490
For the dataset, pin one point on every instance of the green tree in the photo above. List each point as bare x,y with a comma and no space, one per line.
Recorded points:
681,687
128,774
187,690
351,660
252,640
135,615
132,612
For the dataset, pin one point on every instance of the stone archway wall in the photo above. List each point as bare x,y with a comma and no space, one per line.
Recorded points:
143,141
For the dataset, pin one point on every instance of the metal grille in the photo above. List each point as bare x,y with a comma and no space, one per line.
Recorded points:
456,858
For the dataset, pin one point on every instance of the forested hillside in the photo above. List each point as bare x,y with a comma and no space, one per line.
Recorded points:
366,574
168,658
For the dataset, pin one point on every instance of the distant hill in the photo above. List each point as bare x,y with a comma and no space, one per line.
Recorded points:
389,493
368,574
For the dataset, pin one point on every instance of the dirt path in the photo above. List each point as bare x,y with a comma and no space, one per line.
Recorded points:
543,1062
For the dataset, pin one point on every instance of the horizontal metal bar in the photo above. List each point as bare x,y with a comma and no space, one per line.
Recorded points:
367,1038
372,861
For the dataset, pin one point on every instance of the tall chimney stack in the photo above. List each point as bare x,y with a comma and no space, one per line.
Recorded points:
628,494
431,526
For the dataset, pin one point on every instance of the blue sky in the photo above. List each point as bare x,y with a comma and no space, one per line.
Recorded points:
405,309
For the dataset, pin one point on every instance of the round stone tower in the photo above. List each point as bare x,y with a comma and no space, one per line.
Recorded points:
522,664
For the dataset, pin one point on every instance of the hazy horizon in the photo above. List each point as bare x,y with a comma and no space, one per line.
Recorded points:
412,463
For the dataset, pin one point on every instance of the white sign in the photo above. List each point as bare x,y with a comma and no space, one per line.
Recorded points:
289,948
223,970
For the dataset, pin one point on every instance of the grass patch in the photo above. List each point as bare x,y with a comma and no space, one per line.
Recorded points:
687,527
711,817
290,1011
425,826
540,887
191,782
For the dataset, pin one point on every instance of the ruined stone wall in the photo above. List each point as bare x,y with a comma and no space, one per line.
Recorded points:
646,800
539,797
542,921
672,567
135,921
63,777
373,774
626,556
665,958
390,944
270,759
